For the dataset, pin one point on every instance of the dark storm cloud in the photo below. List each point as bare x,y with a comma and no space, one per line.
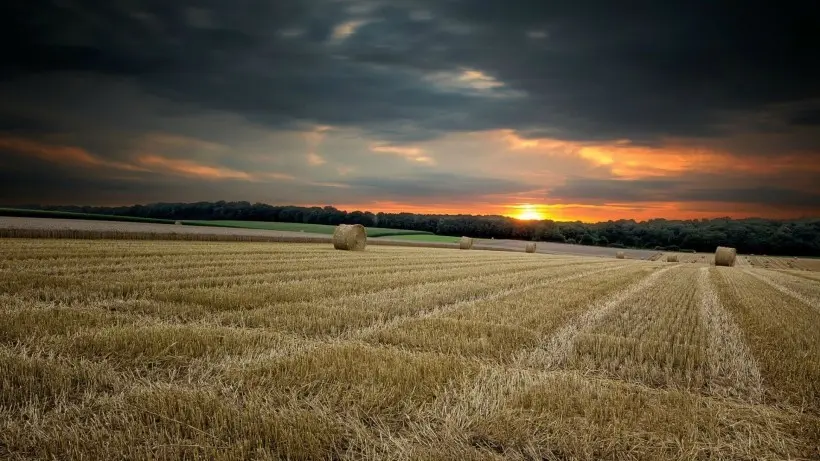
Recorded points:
602,191
806,117
27,180
104,76
587,70
31,181
18,124
431,186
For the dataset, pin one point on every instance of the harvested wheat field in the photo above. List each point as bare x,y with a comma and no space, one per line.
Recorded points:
230,350
782,262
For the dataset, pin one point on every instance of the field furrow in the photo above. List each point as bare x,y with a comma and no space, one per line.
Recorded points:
559,348
801,290
812,276
655,335
731,367
432,331
251,291
781,333
356,314
304,289
570,415
780,263
192,268
505,322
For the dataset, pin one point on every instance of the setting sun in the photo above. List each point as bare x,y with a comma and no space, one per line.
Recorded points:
527,212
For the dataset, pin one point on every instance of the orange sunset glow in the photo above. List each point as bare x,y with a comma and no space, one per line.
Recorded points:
527,212
579,212
615,167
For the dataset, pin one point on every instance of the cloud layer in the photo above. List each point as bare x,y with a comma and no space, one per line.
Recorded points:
588,109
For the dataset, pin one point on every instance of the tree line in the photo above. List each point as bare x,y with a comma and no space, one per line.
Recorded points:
750,236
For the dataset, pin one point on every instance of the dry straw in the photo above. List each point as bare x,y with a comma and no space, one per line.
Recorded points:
672,258
725,256
620,255
466,243
530,247
351,237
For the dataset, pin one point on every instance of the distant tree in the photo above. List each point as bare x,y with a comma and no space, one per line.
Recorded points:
588,239
758,236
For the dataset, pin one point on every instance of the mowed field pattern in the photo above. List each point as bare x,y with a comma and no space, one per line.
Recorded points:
217,350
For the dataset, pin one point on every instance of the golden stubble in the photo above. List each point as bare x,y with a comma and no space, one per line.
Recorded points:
219,350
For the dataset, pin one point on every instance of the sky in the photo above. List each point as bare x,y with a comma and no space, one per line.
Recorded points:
567,110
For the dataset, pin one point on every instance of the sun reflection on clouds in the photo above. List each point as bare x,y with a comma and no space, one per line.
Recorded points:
412,154
629,161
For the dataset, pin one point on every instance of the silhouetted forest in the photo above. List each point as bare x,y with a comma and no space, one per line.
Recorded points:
757,236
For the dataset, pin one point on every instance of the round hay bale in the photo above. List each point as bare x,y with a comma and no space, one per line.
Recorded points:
465,243
178,223
671,258
530,247
620,255
725,256
351,237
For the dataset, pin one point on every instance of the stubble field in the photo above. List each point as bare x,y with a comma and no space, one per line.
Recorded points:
216,350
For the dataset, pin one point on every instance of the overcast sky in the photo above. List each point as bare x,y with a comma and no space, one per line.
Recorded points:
587,109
